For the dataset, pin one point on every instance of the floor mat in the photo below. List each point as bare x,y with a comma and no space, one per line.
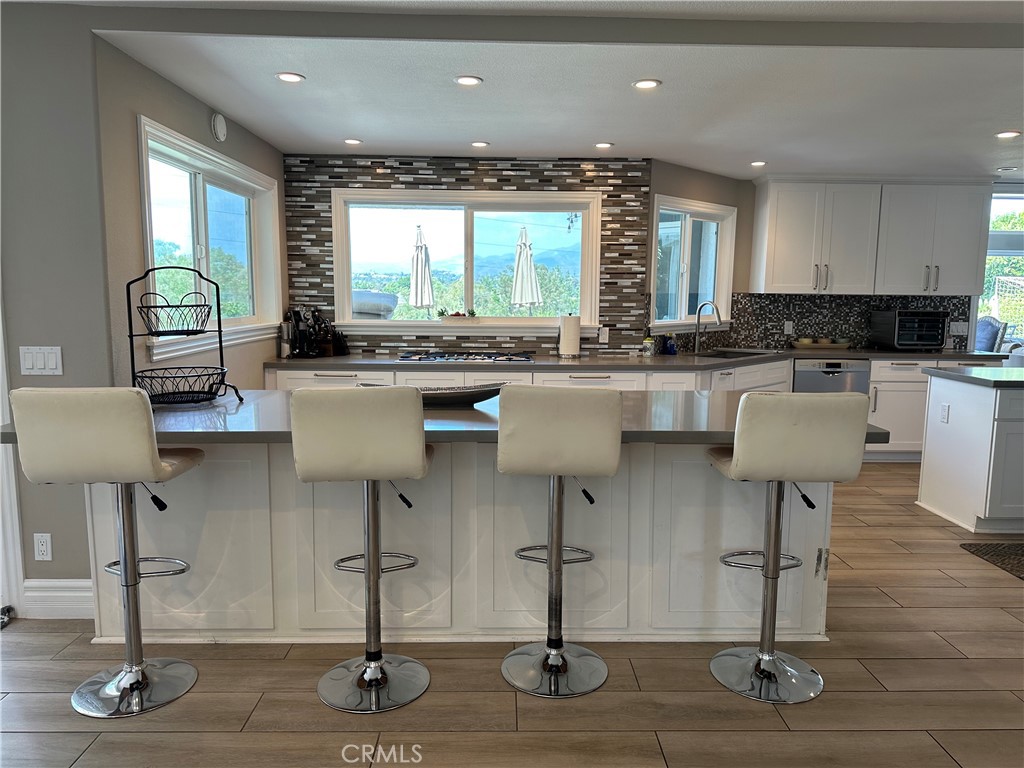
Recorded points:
1009,557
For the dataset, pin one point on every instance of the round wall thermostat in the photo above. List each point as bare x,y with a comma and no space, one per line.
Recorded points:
219,126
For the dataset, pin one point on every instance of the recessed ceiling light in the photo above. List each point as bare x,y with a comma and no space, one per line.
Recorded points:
353,141
290,77
604,144
1008,168
1008,134
481,143
758,163
468,80
646,84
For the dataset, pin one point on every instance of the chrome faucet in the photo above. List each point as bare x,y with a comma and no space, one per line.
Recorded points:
718,322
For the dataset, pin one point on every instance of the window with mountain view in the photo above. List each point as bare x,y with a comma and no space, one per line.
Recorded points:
504,257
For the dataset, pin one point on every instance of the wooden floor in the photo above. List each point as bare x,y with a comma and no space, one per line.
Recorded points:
925,669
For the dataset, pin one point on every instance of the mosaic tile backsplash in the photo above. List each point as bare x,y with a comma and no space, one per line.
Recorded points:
625,189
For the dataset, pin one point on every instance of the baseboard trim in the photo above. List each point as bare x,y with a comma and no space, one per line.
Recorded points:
56,599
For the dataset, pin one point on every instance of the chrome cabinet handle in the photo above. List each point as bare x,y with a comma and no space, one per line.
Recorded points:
927,277
913,365
936,283
815,286
335,375
874,400
825,286
584,376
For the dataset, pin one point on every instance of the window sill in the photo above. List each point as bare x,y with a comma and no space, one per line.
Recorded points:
179,346
477,326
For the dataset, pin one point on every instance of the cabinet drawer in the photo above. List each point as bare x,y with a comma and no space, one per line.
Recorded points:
672,382
1010,405
295,379
982,363
431,378
474,378
901,370
624,381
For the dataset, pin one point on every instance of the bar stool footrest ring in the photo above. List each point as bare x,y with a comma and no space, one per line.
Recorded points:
409,561
585,555
788,561
114,568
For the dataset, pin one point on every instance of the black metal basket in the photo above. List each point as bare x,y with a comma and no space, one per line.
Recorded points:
176,386
181,319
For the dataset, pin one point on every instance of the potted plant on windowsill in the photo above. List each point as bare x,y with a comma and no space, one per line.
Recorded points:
457,317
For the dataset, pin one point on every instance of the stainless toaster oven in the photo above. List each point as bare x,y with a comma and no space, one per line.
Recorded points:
908,329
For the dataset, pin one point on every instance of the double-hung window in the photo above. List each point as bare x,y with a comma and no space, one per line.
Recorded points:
206,211
511,258
693,258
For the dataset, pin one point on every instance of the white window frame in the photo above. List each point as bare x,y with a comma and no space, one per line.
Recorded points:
725,215
264,223
587,203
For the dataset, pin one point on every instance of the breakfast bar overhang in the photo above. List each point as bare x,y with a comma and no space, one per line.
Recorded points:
262,544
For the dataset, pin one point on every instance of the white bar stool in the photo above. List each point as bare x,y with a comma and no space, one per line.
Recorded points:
557,431
106,435
780,438
355,434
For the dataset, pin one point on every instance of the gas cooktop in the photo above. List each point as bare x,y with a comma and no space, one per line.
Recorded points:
465,357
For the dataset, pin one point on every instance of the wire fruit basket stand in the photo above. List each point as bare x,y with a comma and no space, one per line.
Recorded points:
190,316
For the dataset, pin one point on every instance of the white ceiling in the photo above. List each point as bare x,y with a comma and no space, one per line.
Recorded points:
803,110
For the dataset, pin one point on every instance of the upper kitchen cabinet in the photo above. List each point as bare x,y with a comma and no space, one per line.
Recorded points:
812,237
932,239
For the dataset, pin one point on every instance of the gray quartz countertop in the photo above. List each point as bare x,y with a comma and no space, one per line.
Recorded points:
999,378
697,418
656,364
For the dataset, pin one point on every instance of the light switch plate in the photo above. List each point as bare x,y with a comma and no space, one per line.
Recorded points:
958,328
41,361
602,335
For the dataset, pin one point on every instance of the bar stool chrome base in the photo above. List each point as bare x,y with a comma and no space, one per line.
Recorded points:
779,679
126,690
541,671
357,687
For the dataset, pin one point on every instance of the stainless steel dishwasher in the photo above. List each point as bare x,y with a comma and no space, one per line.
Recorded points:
831,375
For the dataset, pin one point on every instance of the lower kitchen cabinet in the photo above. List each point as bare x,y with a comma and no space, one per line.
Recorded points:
431,378
623,381
475,378
672,382
296,379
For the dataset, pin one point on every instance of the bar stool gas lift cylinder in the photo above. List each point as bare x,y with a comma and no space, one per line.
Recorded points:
557,431
780,438
106,435
350,434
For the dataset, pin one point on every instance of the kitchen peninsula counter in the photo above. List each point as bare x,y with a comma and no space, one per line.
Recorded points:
262,543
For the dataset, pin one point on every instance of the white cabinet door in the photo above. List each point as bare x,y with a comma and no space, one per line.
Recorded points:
295,379
900,408
961,240
623,381
793,237
902,370
495,377
932,239
724,379
850,238
431,378
906,232
672,382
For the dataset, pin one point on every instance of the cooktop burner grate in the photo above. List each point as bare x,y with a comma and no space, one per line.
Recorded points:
466,357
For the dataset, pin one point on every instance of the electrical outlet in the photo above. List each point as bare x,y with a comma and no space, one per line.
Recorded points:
944,413
43,546
787,327
602,335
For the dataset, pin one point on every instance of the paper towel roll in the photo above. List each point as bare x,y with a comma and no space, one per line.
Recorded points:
569,336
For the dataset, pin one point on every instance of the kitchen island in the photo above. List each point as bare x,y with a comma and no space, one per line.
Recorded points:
262,544
972,465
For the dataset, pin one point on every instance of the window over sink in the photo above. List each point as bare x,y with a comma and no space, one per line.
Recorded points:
693,257
517,259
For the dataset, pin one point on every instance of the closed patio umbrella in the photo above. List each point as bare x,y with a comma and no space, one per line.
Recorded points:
525,288
421,292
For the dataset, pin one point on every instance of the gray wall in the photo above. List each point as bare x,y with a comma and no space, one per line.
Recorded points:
72,223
